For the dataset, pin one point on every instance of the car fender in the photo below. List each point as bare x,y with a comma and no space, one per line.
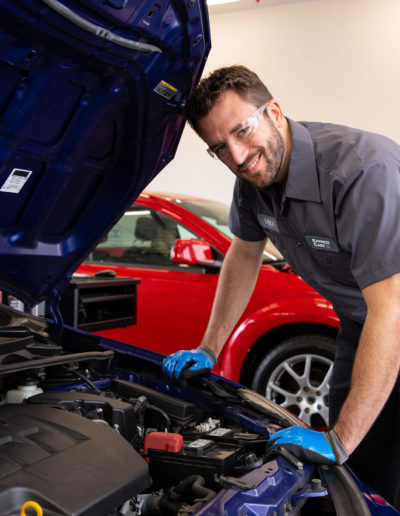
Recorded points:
267,318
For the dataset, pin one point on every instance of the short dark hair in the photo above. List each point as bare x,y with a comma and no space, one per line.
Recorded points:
237,78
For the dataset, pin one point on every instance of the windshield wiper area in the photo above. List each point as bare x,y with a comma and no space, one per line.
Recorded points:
16,367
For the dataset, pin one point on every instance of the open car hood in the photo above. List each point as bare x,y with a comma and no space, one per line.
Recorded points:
90,111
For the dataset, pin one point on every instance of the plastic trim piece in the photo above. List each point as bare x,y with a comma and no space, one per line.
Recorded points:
62,359
98,31
347,497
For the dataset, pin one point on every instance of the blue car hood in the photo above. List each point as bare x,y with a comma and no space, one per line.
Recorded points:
90,111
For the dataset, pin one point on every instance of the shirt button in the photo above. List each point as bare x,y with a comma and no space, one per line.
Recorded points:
298,244
328,259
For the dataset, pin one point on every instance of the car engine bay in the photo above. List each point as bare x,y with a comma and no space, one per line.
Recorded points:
98,432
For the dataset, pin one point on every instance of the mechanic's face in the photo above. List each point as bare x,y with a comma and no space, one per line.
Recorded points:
252,144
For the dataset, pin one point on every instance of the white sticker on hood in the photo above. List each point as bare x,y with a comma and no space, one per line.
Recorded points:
16,180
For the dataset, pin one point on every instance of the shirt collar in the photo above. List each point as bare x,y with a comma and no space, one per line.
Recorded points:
302,181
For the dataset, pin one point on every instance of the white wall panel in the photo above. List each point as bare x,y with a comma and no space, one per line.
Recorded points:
323,60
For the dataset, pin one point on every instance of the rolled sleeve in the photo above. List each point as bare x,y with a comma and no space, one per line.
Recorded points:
368,222
242,220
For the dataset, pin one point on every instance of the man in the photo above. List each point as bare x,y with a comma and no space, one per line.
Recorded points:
328,197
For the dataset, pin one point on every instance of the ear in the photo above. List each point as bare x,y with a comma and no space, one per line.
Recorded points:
274,111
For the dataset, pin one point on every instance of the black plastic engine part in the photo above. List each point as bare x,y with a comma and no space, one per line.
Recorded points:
118,414
253,442
183,499
179,410
68,464
206,459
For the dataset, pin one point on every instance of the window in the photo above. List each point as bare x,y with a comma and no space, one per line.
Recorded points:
141,236
217,215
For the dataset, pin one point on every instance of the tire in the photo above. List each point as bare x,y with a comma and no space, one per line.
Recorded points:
295,374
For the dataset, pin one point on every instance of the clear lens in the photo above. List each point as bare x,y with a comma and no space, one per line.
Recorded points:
212,153
242,134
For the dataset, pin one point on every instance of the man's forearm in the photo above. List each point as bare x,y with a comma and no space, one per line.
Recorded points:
235,286
375,371
374,374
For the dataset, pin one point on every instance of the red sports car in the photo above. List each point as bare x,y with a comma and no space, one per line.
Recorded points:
283,345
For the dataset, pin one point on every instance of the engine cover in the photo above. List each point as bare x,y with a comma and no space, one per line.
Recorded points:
68,464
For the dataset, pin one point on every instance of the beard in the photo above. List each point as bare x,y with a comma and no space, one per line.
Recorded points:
272,158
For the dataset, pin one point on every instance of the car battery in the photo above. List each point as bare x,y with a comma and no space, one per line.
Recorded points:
245,441
202,456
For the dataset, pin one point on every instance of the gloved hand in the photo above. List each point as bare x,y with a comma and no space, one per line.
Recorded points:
310,445
199,360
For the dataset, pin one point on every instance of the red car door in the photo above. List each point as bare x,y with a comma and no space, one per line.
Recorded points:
174,301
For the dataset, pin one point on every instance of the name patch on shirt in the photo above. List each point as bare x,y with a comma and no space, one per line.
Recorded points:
322,243
268,222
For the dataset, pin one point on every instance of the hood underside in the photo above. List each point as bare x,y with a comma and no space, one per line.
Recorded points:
90,111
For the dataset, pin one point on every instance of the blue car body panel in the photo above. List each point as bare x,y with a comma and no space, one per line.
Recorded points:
90,112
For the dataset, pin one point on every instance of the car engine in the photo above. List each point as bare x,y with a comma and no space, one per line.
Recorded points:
88,430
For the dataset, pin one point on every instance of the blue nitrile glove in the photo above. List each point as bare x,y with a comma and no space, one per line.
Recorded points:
196,360
310,445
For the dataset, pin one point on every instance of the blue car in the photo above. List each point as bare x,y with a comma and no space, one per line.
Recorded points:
91,104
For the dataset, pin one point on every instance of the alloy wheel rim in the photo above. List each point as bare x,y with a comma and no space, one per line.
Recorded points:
301,385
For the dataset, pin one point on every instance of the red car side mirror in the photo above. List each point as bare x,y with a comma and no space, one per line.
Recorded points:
192,251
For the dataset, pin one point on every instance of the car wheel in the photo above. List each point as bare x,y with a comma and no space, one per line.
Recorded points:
296,374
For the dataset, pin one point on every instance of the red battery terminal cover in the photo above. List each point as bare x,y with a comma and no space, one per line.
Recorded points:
163,441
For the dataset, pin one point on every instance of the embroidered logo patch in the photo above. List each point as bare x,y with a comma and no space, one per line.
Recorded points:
322,243
268,222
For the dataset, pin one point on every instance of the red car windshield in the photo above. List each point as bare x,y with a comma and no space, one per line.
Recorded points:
216,214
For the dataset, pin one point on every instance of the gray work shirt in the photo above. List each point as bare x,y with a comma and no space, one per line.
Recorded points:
336,221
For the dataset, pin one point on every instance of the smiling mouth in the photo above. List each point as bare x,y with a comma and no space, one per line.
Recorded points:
251,164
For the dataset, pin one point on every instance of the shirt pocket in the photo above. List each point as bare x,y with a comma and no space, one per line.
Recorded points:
318,266
337,265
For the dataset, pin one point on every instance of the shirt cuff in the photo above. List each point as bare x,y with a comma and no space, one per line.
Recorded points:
208,352
337,446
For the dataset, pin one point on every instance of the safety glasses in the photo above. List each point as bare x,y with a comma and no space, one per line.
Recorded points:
240,135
